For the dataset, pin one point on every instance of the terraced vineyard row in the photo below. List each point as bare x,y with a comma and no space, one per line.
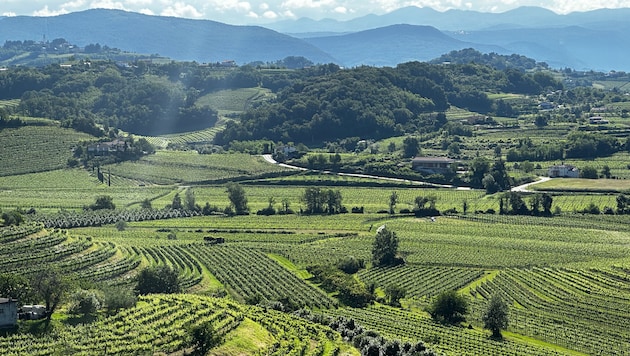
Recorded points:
421,281
585,310
157,324
450,340
29,248
42,148
248,272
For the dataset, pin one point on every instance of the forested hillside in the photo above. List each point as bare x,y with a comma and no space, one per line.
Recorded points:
374,103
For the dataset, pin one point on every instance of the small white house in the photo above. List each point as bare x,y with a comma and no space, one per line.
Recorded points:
8,312
432,164
563,171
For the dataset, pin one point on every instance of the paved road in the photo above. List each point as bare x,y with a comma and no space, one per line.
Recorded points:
270,159
523,188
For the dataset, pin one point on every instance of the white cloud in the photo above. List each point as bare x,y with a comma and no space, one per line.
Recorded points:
146,12
138,2
240,6
180,9
107,4
47,12
9,14
341,10
264,6
310,4
252,15
270,15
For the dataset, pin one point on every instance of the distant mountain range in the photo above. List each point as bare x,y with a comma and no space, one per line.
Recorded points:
181,39
597,40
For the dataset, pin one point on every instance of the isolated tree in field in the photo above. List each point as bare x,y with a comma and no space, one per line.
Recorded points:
394,293
50,286
12,218
117,297
204,338
384,248
103,202
189,200
623,204
177,202
411,147
85,302
393,199
606,172
495,317
146,204
547,201
449,307
237,197
158,279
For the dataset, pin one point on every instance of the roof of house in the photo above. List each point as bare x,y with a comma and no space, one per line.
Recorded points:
433,159
567,166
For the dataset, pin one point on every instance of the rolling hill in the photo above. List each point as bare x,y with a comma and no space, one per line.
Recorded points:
177,38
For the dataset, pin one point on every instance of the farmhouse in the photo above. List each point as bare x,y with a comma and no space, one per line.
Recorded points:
432,164
8,312
597,120
105,148
563,171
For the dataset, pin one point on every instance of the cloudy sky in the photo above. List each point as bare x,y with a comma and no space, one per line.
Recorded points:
264,11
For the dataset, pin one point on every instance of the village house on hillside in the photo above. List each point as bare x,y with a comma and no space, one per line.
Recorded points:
563,171
105,148
431,165
8,312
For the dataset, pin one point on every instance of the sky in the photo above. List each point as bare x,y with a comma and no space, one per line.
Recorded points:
241,12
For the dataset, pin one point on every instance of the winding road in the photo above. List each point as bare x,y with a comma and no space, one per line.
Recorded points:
270,159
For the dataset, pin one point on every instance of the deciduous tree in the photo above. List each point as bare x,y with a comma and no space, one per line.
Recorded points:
495,317
384,248
449,307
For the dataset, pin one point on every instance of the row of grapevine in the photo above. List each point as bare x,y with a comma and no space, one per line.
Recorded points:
249,272
421,281
585,310
450,340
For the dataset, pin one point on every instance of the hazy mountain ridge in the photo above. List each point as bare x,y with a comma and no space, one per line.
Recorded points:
177,38
595,40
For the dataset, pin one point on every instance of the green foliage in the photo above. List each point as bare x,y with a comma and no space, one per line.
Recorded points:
85,302
121,225
394,293
411,147
351,264
591,145
118,297
238,200
103,202
51,286
495,317
349,290
589,172
16,286
13,217
393,199
319,201
449,307
158,279
385,248
204,338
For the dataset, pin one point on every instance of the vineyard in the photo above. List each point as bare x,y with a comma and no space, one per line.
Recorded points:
42,148
566,278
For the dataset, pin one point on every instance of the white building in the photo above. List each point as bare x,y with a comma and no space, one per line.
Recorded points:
563,171
8,312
